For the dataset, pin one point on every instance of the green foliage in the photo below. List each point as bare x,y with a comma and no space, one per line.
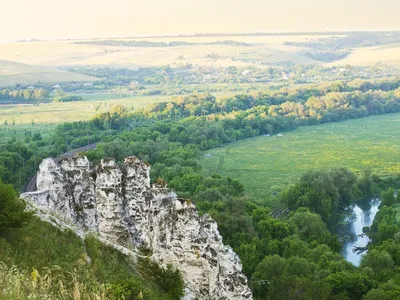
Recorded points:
277,162
323,192
48,284
168,279
386,291
12,209
349,285
295,257
385,225
67,98
23,95
378,261
388,197
65,266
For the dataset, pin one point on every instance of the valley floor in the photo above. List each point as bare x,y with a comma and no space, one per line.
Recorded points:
266,165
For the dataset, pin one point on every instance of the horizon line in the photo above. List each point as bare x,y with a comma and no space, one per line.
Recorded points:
205,34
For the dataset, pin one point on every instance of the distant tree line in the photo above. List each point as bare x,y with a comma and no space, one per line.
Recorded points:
26,94
136,43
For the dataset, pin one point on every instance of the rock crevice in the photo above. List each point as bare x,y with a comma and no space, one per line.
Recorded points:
121,206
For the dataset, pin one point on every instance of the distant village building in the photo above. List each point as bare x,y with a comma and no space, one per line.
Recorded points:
285,76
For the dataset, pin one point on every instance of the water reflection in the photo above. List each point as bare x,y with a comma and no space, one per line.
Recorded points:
363,215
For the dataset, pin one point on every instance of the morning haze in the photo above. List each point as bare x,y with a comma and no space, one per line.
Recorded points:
49,19
187,149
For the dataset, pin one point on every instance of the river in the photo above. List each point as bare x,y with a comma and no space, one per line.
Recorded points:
362,215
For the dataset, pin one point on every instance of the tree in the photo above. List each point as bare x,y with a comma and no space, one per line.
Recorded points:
377,261
59,93
388,197
12,209
349,285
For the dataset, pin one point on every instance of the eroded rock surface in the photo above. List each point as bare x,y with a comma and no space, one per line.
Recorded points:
118,203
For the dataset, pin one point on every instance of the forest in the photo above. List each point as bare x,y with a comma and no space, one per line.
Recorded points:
295,256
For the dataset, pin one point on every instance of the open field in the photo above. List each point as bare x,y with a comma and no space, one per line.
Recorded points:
47,115
12,73
268,164
52,113
369,56
268,49
259,51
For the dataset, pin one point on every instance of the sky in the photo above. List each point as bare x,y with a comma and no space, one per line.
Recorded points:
54,19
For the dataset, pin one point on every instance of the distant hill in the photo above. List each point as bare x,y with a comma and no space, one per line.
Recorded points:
13,73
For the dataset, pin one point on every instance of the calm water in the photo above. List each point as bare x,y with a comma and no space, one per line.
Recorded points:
363,215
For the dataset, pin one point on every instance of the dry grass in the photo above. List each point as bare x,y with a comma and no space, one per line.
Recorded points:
370,56
50,285
64,53
12,73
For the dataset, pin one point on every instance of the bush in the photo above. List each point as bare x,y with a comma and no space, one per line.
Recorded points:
168,279
12,209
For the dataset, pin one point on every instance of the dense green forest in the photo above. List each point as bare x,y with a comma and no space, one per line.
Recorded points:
293,257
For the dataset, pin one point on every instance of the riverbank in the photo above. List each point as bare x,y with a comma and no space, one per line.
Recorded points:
360,215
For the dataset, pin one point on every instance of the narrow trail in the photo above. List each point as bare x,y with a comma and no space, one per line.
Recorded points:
276,214
220,164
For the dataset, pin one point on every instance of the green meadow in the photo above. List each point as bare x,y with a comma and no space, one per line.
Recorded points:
266,165
18,118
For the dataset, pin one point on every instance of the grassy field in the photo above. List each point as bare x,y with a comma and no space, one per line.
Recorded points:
47,115
12,73
43,118
53,113
269,164
35,61
65,53
370,56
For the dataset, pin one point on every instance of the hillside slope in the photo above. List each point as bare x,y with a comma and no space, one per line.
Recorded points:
12,73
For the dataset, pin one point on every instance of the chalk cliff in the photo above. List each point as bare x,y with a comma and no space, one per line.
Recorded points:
121,206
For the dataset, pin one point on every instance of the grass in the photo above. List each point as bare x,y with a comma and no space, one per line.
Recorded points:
369,56
65,53
47,115
269,164
50,113
12,73
41,262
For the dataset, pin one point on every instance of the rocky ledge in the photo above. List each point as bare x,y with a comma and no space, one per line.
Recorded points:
120,205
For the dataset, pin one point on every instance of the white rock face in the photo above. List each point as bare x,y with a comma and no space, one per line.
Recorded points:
119,204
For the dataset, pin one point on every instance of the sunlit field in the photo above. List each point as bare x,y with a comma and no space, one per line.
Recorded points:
12,73
369,56
16,119
266,165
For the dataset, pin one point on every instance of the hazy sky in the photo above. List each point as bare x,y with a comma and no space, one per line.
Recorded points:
102,18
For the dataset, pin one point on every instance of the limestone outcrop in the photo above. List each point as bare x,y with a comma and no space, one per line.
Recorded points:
120,205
